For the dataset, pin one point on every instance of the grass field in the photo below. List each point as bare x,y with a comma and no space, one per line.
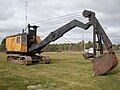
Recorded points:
68,71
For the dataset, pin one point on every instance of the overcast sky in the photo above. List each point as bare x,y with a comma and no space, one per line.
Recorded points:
12,17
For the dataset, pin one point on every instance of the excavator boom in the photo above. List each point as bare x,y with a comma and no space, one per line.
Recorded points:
59,33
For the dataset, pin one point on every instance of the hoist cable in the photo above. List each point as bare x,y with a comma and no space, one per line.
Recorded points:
59,17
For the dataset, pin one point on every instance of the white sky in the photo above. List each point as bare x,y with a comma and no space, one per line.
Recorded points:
12,17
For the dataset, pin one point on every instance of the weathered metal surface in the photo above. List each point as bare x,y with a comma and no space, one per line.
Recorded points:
28,60
104,63
25,60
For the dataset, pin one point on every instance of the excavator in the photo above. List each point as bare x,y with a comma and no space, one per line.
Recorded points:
28,46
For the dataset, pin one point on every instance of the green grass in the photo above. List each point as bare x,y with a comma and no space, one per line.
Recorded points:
67,71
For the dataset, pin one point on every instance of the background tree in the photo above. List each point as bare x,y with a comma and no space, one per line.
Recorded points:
3,44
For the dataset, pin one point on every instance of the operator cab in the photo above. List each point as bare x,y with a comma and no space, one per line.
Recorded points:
20,43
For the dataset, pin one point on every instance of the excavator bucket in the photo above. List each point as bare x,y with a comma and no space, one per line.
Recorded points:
104,63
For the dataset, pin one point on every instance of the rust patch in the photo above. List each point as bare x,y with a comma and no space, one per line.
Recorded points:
104,63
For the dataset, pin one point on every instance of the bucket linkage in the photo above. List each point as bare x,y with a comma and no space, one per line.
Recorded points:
105,61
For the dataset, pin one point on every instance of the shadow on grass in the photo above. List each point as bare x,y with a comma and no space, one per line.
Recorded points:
57,61
113,72
69,61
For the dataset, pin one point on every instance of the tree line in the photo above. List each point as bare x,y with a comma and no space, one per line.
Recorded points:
77,47
68,47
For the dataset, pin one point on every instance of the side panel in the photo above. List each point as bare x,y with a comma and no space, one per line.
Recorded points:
8,44
24,43
13,44
16,43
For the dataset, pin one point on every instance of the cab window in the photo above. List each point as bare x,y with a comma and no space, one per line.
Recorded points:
24,39
18,40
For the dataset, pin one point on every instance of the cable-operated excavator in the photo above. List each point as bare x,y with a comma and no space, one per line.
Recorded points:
28,45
